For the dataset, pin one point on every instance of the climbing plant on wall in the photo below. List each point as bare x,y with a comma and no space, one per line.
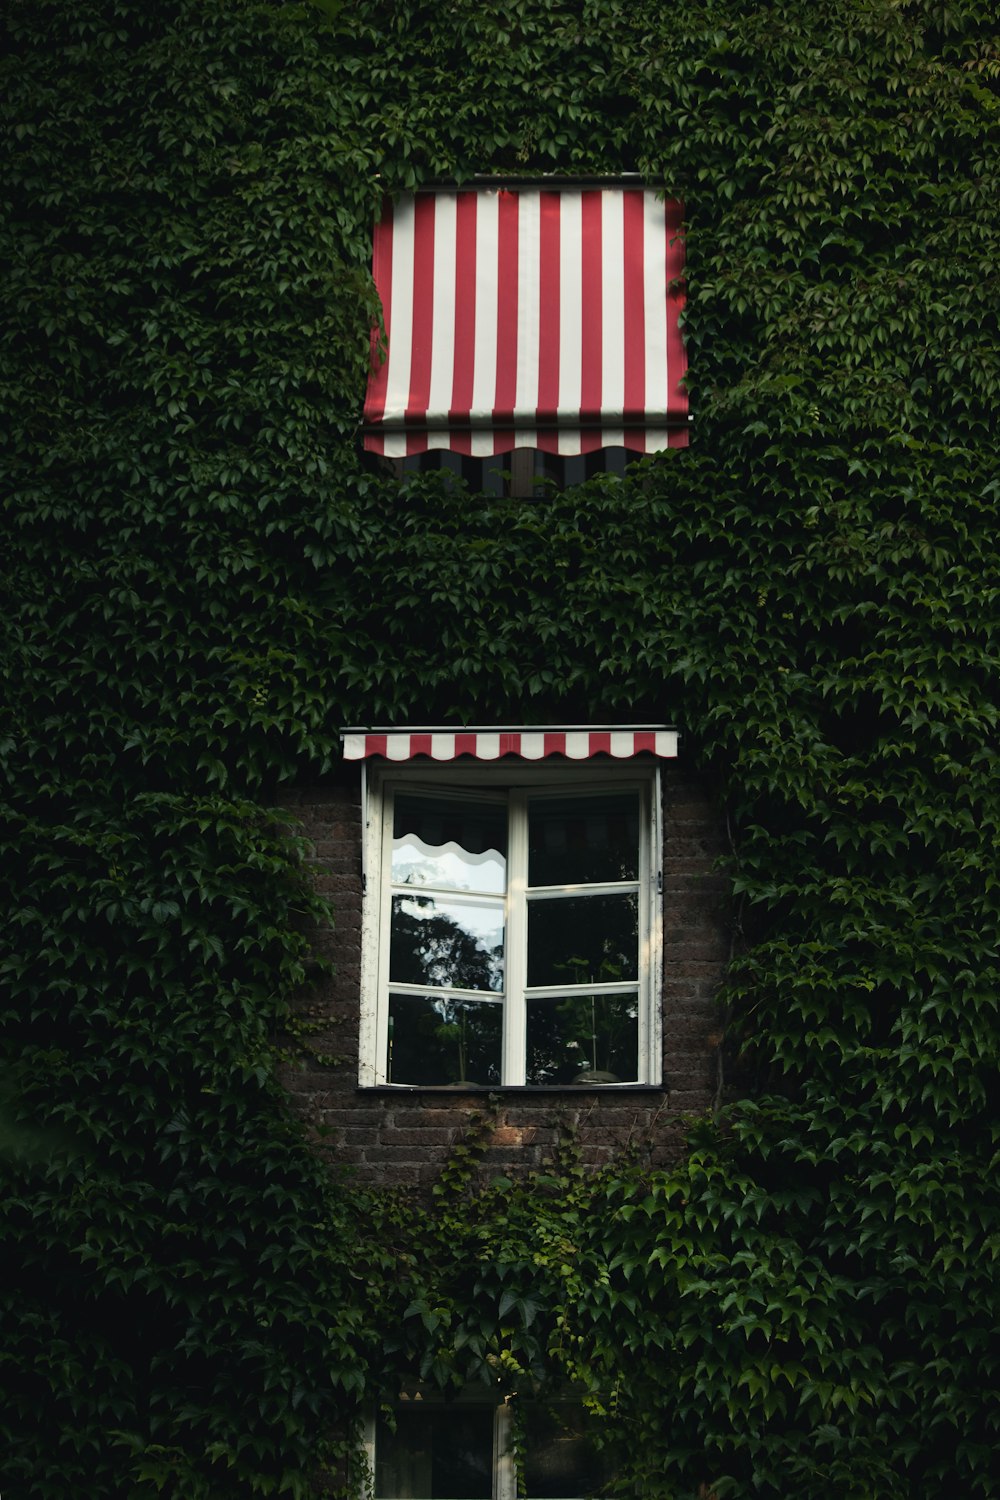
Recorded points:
204,581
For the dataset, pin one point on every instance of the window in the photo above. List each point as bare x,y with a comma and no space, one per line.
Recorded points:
424,1448
528,314
512,909
519,472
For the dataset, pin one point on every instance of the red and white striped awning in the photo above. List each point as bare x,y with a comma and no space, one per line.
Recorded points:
536,318
491,744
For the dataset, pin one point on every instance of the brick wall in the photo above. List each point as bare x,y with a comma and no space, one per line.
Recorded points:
391,1137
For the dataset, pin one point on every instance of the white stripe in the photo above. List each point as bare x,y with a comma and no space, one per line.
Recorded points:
354,746
578,746
622,743
442,747
528,242
487,746
666,743
655,297
401,314
533,746
443,330
397,747
612,305
571,313
484,383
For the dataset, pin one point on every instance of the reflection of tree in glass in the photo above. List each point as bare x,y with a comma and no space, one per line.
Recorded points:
433,949
441,1038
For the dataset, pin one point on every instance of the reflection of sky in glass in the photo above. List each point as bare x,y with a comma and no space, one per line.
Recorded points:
448,865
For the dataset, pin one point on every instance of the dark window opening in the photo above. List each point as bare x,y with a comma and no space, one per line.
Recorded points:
521,472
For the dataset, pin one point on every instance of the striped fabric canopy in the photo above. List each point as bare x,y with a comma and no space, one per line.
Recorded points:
491,744
536,318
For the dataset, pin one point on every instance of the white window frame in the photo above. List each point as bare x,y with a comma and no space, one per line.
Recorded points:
504,1462
381,780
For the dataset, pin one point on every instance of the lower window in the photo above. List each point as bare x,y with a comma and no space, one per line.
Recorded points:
428,1449
512,923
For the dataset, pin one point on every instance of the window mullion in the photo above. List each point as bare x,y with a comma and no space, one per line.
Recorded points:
652,969
504,1468
385,926
516,969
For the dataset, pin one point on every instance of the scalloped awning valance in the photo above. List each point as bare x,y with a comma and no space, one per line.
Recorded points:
620,742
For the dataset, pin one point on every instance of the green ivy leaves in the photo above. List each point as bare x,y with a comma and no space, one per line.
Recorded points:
205,580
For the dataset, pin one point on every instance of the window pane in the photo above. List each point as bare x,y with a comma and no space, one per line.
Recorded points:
446,942
461,846
443,1453
583,1039
560,1461
583,840
583,939
436,1040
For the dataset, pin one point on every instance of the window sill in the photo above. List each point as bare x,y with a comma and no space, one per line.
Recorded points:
529,1089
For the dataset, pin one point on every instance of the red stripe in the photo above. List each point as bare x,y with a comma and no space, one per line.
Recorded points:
375,744
676,358
378,374
465,744
643,739
591,352
634,332
600,743
510,744
548,307
465,318
423,309
555,744
507,251
420,744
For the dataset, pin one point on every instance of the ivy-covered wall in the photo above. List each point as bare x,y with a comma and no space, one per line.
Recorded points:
204,582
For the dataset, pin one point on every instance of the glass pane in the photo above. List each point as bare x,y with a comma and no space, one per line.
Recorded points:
583,840
435,1453
460,846
583,939
560,1461
587,1039
446,942
436,1040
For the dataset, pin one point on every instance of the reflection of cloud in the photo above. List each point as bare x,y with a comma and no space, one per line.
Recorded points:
417,863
